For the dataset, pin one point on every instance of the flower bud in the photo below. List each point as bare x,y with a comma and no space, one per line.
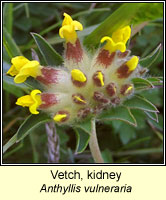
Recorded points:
78,99
111,89
78,78
99,97
115,101
61,116
126,89
98,79
83,112
127,68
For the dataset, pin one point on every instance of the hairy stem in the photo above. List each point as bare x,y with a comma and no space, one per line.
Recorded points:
93,144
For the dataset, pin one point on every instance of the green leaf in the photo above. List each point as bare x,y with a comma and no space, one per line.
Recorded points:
155,80
151,58
126,133
10,143
10,45
142,81
12,89
8,81
148,12
152,115
8,17
49,54
138,102
121,113
158,125
134,143
85,126
82,140
30,123
14,150
26,127
26,10
33,84
120,18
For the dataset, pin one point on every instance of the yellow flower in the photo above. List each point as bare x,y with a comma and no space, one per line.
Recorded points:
122,35
100,77
132,63
59,117
69,28
118,40
111,46
77,75
23,68
33,101
17,63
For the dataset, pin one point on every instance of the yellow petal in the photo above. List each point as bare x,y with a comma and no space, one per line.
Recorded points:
79,99
59,117
68,29
132,63
67,20
25,101
68,32
100,77
77,75
19,62
33,101
111,46
128,89
32,68
37,101
122,35
12,71
77,25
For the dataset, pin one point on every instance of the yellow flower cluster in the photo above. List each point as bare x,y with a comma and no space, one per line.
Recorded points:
89,86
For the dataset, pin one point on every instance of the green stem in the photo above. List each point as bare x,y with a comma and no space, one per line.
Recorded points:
93,144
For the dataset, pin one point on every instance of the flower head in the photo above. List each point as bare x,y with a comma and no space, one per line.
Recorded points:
85,86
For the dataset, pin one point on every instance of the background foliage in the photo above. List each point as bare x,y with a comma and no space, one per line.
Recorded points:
119,141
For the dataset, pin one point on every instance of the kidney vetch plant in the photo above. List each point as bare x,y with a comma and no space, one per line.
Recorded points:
87,87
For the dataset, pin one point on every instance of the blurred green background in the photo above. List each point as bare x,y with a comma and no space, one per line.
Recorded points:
119,142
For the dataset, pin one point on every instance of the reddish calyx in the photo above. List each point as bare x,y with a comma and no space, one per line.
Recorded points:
49,75
105,58
48,100
111,89
74,51
123,71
